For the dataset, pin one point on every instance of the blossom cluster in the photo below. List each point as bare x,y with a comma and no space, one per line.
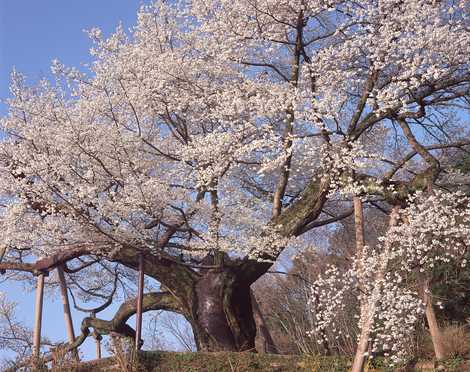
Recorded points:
189,121
437,230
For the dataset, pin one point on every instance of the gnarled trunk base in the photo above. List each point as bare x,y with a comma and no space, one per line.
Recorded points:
222,316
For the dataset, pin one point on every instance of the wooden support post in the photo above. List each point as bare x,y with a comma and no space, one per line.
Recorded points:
67,313
98,339
38,316
140,293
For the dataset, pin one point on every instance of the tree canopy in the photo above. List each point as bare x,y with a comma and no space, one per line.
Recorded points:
215,134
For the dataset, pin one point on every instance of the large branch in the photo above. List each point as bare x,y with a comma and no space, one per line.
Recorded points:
289,129
151,301
300,216
418,147
290,222
418,96
327,221
44,265
51,262
395,192
412,154
166,269
368,86
303,210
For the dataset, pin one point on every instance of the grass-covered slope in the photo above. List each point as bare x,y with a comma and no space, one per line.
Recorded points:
239,362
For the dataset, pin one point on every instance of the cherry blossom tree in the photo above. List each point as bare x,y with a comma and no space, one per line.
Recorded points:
214,134
15,336
387,280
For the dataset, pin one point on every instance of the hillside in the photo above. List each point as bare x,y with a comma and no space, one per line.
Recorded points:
239,362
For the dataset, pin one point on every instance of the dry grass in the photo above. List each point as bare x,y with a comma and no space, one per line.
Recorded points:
125,355
457,340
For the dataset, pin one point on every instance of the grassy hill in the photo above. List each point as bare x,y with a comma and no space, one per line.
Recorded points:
238,362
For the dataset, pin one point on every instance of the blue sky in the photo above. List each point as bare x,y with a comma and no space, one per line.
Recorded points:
32,34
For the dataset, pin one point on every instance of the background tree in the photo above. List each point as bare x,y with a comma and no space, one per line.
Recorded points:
15,337
285,293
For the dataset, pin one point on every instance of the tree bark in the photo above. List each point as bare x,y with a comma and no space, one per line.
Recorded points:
216,301
368,309
436,335
363,342
359,227
266,342
222,316
217,304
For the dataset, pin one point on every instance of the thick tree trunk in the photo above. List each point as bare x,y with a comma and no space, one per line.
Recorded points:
222,316
214,299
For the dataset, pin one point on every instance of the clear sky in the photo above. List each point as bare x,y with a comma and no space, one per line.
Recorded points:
32,34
